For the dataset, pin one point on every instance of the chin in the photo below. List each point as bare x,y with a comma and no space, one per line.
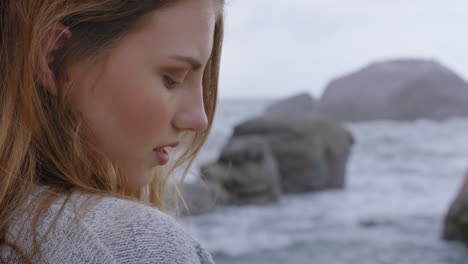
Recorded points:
138,181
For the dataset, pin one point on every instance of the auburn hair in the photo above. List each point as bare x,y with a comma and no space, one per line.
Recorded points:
40,139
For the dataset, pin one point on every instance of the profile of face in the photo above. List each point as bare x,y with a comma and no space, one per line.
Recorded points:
145,91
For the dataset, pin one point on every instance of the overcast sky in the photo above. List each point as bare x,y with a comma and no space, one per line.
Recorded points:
276,48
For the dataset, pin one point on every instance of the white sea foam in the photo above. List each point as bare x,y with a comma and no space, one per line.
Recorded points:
401,180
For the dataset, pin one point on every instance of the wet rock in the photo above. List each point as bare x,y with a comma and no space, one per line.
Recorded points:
311,150
201,197
247,170
456,220
405,89
301,103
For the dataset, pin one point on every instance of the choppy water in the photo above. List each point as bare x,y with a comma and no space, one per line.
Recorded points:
402,177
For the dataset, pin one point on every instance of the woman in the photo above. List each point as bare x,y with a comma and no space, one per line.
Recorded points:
95,96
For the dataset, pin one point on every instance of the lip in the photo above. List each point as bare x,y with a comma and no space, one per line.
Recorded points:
171,145
161,154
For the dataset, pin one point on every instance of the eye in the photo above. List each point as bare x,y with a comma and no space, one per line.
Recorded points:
170,83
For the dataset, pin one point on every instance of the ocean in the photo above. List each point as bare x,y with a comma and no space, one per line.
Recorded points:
401,180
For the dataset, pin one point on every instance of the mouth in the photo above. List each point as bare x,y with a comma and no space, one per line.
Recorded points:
160,153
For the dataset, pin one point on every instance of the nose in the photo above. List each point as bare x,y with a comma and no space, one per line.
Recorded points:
192,116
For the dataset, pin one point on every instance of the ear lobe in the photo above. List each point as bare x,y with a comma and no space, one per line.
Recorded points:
54,39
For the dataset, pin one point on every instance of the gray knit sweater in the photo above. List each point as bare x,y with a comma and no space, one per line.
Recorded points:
114,231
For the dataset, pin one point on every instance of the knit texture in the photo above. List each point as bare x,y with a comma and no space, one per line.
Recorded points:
113,231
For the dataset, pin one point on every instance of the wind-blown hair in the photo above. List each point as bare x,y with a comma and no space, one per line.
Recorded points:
41,139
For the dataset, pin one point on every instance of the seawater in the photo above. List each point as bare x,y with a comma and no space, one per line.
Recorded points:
401,180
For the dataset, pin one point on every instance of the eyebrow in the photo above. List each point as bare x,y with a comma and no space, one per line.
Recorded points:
196,64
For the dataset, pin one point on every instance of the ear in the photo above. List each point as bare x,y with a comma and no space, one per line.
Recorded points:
54,39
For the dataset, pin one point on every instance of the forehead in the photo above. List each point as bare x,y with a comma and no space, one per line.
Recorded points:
184,28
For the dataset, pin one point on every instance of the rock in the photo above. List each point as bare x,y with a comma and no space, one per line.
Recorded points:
405,89
301,103
311,150
247,170
201,197
368,223
371,223
456,220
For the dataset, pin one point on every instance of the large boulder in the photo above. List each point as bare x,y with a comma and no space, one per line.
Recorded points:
405,89
311,150
247,170
456,220
301,103
201,197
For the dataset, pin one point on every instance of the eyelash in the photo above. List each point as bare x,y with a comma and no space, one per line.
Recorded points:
170,83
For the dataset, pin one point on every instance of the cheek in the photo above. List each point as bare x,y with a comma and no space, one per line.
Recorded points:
137,109
127,111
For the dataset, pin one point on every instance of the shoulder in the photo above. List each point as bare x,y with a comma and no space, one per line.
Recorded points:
136,232
111,230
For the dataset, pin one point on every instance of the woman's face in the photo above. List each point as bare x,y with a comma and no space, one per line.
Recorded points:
144,92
